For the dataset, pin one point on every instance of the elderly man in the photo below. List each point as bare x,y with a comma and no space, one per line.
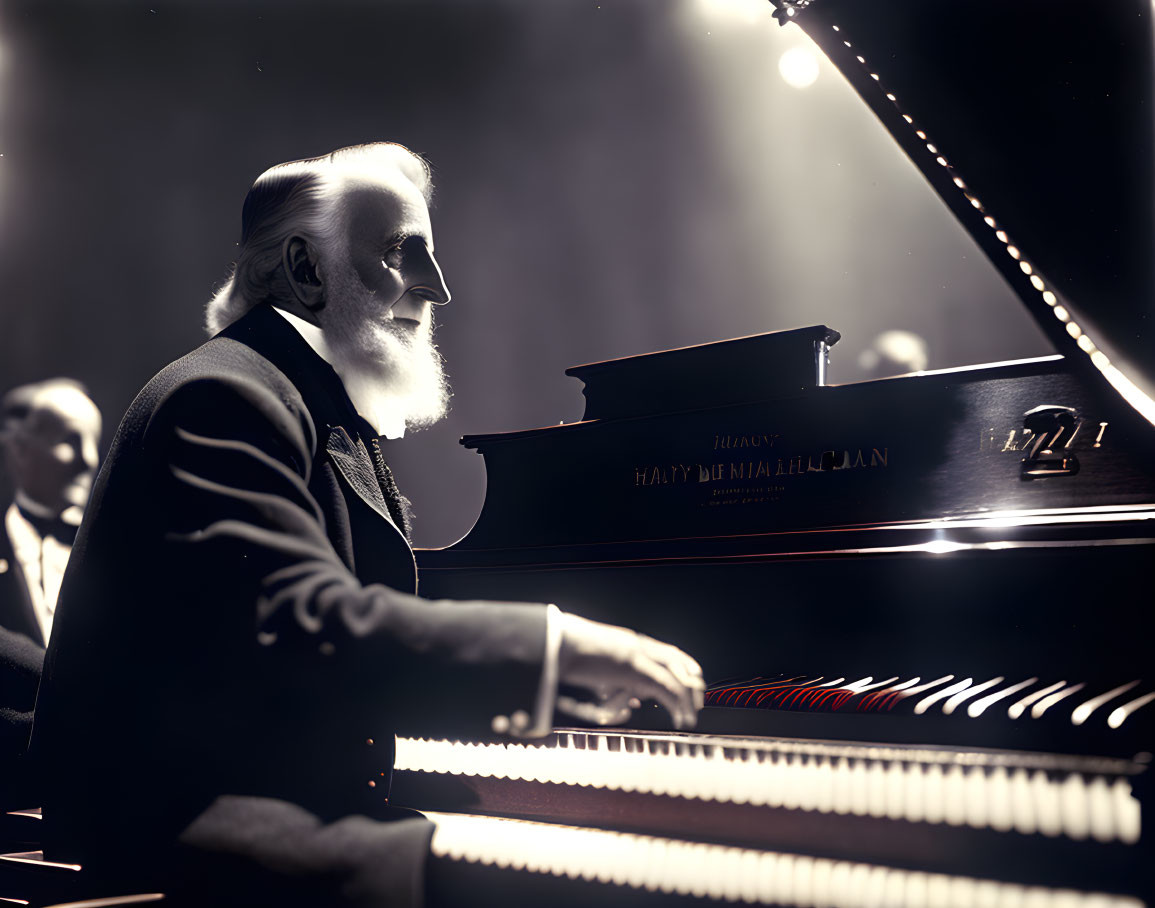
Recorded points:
238,638
49,432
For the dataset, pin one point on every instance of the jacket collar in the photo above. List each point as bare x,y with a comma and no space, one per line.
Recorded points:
276,340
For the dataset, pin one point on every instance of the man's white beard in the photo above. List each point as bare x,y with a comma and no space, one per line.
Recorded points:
392,372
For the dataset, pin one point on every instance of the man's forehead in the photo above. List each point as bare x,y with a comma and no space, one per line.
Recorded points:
385,204
63,406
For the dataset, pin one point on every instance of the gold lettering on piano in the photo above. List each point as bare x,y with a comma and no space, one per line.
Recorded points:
765,440
667,474
830,461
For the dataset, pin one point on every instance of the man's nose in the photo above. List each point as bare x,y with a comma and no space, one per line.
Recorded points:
427,280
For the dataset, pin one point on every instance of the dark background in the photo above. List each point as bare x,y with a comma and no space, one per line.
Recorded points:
612,178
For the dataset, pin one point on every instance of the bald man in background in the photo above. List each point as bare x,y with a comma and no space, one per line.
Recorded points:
49,432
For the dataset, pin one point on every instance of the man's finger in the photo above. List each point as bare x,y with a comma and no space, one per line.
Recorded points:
665,687
593,713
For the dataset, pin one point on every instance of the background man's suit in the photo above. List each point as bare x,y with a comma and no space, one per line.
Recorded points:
230,622
16,611
21,655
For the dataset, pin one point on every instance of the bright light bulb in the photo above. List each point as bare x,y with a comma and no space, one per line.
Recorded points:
799,67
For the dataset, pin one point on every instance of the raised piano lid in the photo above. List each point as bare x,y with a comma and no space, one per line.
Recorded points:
1033,121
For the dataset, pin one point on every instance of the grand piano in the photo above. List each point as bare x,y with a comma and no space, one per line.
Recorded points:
921,602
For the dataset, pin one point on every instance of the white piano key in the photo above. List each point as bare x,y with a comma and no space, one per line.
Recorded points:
1010,896
914,792
1023,802
1065,899
840,785
933,794
748,874
916,894
1074,807
783,879
954,810
986,894
810,784
1127,812
877,787
1000,806
857,882
1035,897
976,797
838,883
803,881
789,773
938,891
1045,796
859,788
894,890
875,887
895,790
962,892
1100,810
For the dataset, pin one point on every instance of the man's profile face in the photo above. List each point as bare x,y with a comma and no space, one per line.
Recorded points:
382,283
54,454
389,242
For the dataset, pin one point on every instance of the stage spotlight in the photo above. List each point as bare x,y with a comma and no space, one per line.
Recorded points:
799,67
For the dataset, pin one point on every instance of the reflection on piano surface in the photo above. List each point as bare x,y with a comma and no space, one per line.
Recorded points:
983,533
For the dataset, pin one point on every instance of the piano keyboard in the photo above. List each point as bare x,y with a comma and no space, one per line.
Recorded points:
1049,795
678,867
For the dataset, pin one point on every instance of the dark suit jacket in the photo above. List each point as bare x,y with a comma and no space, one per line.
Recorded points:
16,612
237,616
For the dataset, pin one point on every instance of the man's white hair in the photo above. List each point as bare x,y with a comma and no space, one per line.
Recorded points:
299,198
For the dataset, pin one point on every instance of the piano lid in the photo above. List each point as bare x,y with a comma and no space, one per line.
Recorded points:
1033,121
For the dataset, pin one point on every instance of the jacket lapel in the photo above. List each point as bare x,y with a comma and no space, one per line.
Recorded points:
353,463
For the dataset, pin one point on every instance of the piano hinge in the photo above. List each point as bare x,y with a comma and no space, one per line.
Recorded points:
789,10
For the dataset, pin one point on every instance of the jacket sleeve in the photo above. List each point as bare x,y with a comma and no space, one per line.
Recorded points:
239,517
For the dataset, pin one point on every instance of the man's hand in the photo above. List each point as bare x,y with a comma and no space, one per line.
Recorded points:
622,668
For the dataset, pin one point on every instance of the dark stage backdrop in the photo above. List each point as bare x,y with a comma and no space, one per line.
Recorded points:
613,177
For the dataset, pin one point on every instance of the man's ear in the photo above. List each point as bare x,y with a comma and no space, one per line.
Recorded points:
301,263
